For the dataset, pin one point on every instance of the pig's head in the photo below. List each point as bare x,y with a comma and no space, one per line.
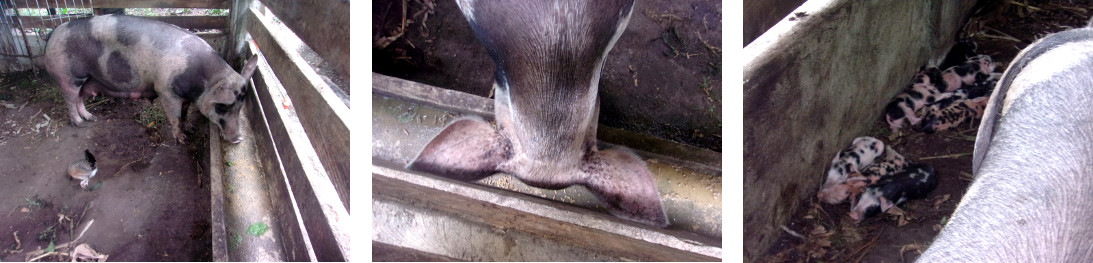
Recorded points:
223,100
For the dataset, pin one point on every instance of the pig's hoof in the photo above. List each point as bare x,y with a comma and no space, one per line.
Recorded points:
180,137
90,117
80,124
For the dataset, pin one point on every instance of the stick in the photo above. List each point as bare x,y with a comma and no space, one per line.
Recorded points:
955,155
17,243
867,245
999,37
62,246
1002,33
791,232
1033,8
122,169
54,253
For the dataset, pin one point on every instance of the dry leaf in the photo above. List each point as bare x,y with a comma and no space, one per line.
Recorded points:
937,203
909,247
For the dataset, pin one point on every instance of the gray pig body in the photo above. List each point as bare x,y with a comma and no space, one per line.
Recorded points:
130,57
548,55
1033,162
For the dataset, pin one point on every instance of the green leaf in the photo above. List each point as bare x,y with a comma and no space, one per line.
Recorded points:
50,248
228,163
257,229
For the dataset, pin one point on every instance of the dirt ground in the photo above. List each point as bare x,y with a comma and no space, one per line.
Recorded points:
828,234
663,77
149,200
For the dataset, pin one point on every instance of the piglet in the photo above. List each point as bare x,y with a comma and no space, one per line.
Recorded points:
861,153
968,73
954,115
549,55
902,109
915,182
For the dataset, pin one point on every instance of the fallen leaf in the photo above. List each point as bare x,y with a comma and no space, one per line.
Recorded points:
24,210
937,203
909,247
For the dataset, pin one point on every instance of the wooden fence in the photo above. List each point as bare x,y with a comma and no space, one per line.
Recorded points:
298,117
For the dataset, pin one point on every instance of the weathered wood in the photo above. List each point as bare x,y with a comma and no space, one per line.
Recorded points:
297,247
320,210
237,35
217,4
699,159
322,113
216,185
552,224
324,26
190,22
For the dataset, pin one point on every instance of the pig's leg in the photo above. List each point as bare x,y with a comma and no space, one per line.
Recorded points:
90,88
173,108
70,90
468,149
620,179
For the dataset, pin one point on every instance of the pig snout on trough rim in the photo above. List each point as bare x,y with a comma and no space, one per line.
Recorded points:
131,57
548,56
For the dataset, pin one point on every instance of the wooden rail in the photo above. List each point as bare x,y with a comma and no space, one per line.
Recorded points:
214,4
190,22
324,116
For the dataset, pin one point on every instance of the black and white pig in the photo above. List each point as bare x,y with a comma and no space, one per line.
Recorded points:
1033,163
904,107
860,154
914,182
960,112
129,57
549,55
976,68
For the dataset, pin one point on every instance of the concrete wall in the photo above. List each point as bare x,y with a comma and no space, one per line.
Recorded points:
813,84
760,15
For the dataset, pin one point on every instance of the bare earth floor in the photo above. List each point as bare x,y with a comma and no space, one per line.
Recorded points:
150,198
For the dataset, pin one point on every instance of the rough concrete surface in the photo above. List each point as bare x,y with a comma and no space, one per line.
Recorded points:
760,15
815,81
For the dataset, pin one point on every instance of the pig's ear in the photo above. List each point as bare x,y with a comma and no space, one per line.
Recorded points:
248,69
885,204
468,149
620,179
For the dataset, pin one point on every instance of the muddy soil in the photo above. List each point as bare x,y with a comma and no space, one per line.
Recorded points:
828,234
663,77
149,200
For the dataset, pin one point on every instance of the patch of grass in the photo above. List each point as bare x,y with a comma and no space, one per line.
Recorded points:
34,202
151,115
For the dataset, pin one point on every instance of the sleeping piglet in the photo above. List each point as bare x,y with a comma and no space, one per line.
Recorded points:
548,56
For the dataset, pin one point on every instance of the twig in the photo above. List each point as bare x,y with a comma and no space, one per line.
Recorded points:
123,167
1000,37
1033,8
18,244
54,253
791,232
1002,33
61,246
955,155
867,245
96,103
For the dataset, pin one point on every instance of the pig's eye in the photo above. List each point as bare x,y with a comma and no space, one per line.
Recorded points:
221,108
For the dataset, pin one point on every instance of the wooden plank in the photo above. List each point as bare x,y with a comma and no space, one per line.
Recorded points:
323,27
216,185
296,245
237,34
324,117
554,224
325,220
190,22
215,4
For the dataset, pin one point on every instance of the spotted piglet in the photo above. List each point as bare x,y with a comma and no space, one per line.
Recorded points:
954,115
915,182
902,108
892,163
976,68
860,154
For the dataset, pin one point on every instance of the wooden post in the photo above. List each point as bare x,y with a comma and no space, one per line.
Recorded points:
237,34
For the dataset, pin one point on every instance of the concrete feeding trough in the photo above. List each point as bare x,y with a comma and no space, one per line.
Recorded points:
420,216
817,79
